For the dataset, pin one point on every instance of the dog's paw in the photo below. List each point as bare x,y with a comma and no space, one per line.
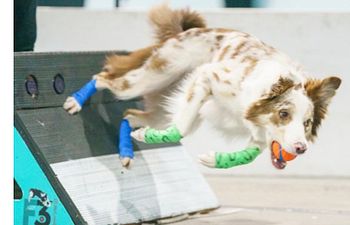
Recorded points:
139,134
71,105
207,159
126,162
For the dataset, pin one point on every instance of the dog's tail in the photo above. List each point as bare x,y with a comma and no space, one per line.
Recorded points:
168,23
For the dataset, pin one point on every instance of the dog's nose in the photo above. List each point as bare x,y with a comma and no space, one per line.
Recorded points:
300,147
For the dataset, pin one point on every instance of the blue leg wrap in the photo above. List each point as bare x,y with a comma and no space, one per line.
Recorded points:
125,144
85,92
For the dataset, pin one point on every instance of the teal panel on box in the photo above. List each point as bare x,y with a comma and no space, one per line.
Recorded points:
39,204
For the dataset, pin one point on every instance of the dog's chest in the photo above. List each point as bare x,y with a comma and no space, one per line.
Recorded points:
222,117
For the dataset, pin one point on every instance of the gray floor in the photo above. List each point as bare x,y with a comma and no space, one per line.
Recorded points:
277,201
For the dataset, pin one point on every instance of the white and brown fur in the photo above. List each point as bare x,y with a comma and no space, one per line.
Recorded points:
228,77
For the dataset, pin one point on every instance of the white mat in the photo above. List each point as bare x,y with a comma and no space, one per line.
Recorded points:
162,182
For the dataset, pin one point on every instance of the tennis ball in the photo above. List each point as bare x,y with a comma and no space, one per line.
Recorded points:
280,153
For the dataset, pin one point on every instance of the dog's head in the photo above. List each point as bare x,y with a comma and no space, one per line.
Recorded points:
292,113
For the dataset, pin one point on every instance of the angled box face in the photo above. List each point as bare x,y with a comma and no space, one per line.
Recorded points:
79,153
39,202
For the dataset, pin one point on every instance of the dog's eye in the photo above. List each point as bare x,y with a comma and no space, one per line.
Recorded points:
283,114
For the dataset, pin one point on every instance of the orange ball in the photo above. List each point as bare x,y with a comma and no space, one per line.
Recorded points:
280,153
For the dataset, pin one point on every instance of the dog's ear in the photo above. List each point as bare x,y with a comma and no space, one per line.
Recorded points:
321,93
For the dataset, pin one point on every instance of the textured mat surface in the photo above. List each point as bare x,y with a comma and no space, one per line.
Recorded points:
161,183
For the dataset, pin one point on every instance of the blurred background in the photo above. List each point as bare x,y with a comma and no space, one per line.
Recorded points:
314,32
204,4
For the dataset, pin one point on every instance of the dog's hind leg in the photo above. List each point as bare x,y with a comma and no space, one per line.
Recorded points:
165,66
151,69
156,74
115,67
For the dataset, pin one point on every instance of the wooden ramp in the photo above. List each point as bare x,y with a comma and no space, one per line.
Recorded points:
78,154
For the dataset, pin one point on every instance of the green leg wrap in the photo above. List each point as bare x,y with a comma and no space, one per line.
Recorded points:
170,135
230,159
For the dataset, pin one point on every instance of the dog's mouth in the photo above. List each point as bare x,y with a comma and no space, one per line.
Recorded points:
279,164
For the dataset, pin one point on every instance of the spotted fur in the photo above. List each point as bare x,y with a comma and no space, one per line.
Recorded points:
227,77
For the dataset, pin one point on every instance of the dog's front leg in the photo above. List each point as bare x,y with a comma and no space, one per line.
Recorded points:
137,118
192,98
225,160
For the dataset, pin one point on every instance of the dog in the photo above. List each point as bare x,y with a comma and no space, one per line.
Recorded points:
229,78
42,197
